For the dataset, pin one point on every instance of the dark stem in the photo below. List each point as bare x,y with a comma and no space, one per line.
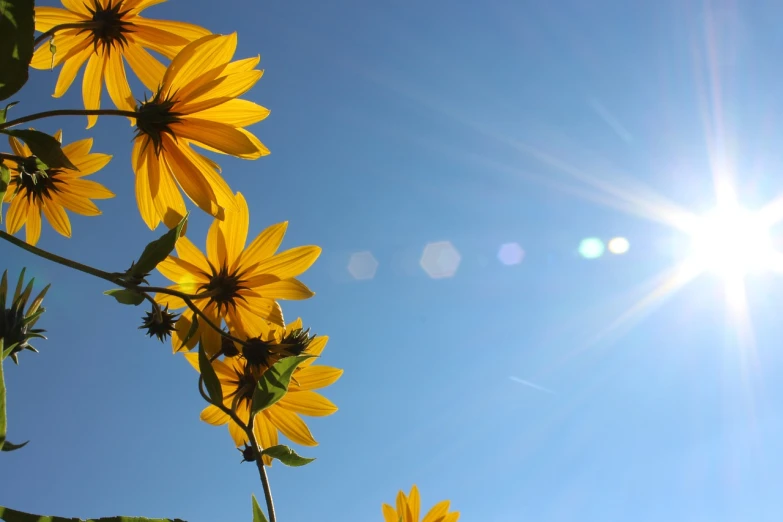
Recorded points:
68,112
62,27
270,504
12,157
57,259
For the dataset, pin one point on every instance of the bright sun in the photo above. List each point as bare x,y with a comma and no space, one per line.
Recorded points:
731,242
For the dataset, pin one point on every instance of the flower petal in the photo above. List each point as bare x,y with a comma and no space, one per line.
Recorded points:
215,135
201,55
263,246
192,177
149,70
180,271
48,17
142,149
189,252
291,426
438,510
214,416
287,289
117,83
315,377
290,263
17,214
70,70
235,112
57,217
266,434
389,514
33,228
92,85
316,347
307,403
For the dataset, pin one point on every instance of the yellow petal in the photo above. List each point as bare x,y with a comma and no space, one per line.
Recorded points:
48,17
70,70
216,245
117,83
78,150
75,203
86,188
33,225
57,217
254,307
212,415
201,55
287,289
68,45
165,36
142,148
235,112
389,514
438,510
215,135
189,252
291,426
92,85
451,517
19,148
307,403
234,229
182,327
290,263
203,95
402,506
148,69
77,6
266,434
190,176
180,271
17,214
263,246
165,195
136,6
414,503
315,377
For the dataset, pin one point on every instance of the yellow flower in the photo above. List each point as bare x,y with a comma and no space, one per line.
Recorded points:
196,104
242,283
112,30
408,509
33,192
239,375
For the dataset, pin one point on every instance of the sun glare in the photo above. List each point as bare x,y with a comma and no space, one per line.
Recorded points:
731,241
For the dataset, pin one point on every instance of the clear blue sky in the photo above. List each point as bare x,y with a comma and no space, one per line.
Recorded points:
396,124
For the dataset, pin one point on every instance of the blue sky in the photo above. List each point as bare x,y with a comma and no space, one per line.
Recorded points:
480,123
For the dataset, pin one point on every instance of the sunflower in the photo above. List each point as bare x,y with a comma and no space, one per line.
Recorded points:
241,284
33,192
239,375
112,29
408,509
196,104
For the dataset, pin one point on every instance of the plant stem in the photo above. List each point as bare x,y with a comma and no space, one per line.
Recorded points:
57,259
270,504
61,27
12,157
68,112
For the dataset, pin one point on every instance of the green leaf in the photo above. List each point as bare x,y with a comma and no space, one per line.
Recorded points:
45,147
286,455
126,296
191,332
211,381
156,251
3,422
5,179
4,112
10,446
17,27
258,515
11,515
274,382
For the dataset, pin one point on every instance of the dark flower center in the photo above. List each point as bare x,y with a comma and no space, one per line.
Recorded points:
223,287
36,184
154,118
108,25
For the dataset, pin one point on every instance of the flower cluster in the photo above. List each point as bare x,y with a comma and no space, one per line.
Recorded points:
221,310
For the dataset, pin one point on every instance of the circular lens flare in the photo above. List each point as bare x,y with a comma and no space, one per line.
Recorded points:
731,242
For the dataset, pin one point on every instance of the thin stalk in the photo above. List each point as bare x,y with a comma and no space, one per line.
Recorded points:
270,504
68,112
12,157
57,259
62,27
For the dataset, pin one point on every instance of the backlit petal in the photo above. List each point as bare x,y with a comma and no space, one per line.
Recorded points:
290,263
48,17
218,136
143,194
189,252
291,426
266,434
201,55
117,83
236,112
286,289
70,70
92,86
264,245
307,403
437,511
57,217
316,376
17,214
33,225
214,416
149,70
